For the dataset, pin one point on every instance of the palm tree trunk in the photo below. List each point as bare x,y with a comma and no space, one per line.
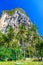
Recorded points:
24,54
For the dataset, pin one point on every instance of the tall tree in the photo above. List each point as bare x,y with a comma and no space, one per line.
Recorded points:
9,36
21,37
39,48
1,39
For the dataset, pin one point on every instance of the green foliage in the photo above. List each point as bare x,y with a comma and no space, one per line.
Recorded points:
7,54
1,38
10,33
18,45
39,48
31,52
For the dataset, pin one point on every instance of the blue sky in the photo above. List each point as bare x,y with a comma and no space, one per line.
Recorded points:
34,8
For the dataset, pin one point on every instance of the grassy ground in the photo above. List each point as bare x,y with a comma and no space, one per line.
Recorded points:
21,63
8,63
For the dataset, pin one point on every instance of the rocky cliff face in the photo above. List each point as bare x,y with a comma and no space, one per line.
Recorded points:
13,20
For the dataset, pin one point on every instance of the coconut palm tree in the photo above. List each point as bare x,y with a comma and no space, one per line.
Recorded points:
1,39
31,35
9,36
21,37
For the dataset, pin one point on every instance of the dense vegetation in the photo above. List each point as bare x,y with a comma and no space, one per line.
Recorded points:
21,44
